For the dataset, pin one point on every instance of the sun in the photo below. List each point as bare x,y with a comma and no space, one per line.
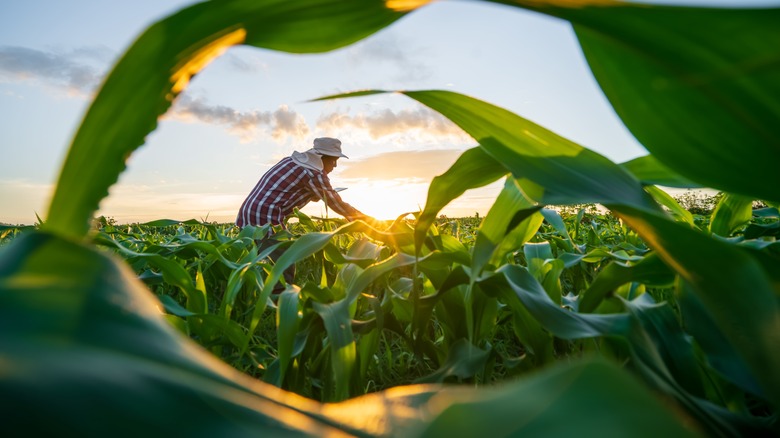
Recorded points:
387,207
386,200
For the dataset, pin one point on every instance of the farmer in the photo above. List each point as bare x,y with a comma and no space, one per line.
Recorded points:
292,183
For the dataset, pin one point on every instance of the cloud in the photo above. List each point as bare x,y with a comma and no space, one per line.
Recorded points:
388,122
21,63
81,70
284,123
280,124
411,166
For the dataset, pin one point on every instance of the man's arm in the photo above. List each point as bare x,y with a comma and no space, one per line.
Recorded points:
321,186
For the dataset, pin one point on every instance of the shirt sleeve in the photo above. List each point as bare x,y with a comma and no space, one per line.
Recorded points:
320,185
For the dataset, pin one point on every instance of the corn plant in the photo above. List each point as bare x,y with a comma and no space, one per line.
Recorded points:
86,345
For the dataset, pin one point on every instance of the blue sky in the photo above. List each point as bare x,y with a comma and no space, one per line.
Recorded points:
249,108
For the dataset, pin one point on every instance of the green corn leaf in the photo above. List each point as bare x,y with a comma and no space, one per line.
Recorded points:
305,246
172,272
233,331
511,222
754,231
234,284
669,202
188,244
538,250
480,312
373,272
549,168
287,325
750,319
732,212
464,360
694,85
554,218
673,345
174,308
651,172
651,346
649,270
599,254
455,250
169,222
473,169
368,343
767,212
550,273
450,313
563,323
722,356
537,342
338,324
517,411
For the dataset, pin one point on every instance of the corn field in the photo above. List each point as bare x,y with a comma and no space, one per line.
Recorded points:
547,317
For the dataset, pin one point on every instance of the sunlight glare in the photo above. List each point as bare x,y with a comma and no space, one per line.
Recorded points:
406,5
386,200
202,57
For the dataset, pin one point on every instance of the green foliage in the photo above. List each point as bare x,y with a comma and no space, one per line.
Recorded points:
668,321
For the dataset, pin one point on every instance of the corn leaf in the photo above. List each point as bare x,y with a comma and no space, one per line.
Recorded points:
562,323
505,413
287,325
343,352
549,168
497,236
669,202
650,171
650,270
694,85
750,319
731,212
463,361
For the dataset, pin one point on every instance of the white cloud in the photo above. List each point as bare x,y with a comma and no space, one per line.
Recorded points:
69,71
289,123
280,124
388,122
21,64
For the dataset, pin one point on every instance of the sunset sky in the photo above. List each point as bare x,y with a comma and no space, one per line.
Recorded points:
249,108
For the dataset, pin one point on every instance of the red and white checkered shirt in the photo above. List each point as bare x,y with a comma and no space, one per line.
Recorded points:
286,186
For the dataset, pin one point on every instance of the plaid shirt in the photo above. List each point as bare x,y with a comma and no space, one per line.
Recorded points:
286,186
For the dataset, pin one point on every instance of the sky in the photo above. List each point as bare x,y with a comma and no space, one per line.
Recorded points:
251,107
